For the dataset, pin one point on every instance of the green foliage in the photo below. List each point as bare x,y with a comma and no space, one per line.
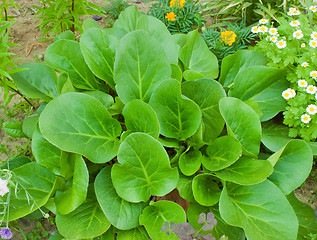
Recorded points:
115,7
188,14
61,15
107,148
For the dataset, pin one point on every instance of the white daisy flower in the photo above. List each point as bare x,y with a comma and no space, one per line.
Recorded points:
273,39
313,8
292,92
313,35
263,21
313,74
296,12
273,31
313,43
298,34
305,118
305,64
303,45
294,23
288,93
263,29
311,109
281,44
311,89
255,29
302,83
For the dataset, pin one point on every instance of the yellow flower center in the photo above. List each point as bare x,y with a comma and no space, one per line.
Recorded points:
311,109
314,74
286,94
305,118
313,43
280,43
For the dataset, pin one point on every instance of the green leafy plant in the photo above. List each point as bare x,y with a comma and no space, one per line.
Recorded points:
115,8
61,15
179,16
134,114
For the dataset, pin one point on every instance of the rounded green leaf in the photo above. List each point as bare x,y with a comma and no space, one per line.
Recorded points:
138,233
140,117
121,214
95,47
86,221
246,171
293,166
38,81
76,122
76,192
144,169
261,210
128,19
179,118
184,187
189,162
222,152
206,93
242,123
154,216
65,55
137,69
205,189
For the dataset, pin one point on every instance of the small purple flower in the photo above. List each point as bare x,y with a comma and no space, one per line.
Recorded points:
6,233
96,18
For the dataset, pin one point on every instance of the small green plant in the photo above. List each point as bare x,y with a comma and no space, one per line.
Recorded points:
179,16
60,15
115,7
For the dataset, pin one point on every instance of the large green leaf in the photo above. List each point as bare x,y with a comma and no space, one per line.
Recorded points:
246,171
221,228
179,117
242,123
38,81
233,64
154,216
128,19
292,165
95,46
122,214
86,221
76,191
34,187
137,69
207,93
261,210
190,162
222,152
205,189
140,117
138,233
158,30
263,85
144,169
47,154
65,55
76,122
196,56
306,218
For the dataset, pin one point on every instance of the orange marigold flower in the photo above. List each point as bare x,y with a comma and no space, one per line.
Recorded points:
228,37
170,16
177,3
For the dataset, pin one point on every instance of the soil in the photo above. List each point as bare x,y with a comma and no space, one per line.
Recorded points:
26,33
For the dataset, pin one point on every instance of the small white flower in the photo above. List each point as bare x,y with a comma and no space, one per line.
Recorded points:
296,12
273,31
281,44
298,34
263,29
311,109
263,21
302,83
305,64
313,8
313,43
313,35
313,74
255,29
294,23
273,39
305,118
303,45
288,93
311,89
3,187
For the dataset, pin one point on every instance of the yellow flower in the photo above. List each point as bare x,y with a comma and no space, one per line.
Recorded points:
228,37
170,16
177,3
